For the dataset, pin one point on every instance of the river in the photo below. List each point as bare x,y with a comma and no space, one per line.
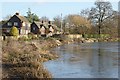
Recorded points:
85,60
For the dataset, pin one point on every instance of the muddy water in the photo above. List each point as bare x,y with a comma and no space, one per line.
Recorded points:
85,60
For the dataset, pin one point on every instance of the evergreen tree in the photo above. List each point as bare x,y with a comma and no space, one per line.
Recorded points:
31,16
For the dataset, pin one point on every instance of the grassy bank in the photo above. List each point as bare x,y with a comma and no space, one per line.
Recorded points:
24,59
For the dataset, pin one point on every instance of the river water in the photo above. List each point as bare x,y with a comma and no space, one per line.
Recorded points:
85,60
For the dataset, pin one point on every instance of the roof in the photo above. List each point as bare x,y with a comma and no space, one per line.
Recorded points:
38,23
22,18
55,27
46,24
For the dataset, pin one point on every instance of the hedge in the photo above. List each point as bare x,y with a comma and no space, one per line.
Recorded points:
96,35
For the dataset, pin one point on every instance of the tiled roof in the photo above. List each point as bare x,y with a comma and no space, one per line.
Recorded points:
38,23
45,24
22,18
55,27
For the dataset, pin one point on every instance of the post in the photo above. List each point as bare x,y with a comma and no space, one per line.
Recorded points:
4,37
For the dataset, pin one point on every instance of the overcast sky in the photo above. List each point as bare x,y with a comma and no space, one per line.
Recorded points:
48,8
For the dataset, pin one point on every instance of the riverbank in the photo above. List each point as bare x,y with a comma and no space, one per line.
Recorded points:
24,58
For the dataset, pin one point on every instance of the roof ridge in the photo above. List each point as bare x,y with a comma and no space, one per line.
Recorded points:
23,18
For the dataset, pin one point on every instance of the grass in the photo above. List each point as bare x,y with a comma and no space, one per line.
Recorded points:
23,59
96,35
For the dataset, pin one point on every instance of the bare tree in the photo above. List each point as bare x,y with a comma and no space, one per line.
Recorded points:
8,17
110,25
77,24
100,13
44,18
85,13
57,21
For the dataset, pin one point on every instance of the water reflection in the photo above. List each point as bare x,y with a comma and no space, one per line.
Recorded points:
88,60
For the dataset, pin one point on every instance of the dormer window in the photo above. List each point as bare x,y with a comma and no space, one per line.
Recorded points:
51,29
15,23
9,24
42,30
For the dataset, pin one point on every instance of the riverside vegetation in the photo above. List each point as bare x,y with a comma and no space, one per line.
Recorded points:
23,58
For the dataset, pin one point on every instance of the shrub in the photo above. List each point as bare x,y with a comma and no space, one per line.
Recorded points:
14,31
23,38
96,35
32,36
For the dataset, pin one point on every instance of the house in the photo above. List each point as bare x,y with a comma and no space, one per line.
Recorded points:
43,28
18,21
35,26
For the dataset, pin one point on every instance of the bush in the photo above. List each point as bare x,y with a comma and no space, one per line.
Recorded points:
32,36
23,38
14,31
96,35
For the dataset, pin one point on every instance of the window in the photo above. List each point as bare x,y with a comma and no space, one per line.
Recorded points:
9,24
51,29
15,24
33,28
23,24
7,30
42,30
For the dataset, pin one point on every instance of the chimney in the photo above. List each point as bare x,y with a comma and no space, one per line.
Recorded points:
16,13
49,22
42,21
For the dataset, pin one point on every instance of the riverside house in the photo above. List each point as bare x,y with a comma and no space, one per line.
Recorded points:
18,21
44,28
